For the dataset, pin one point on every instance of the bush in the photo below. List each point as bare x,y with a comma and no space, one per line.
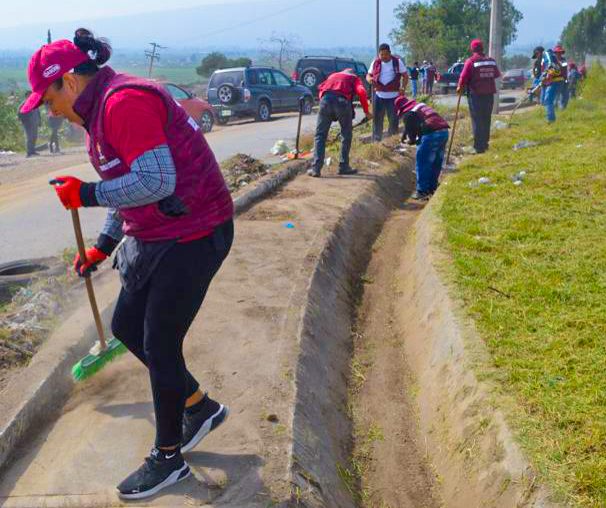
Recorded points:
11,132
594,87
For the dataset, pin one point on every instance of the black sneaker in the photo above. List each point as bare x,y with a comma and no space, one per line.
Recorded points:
421,196
348,171
200,419
314,173
160,470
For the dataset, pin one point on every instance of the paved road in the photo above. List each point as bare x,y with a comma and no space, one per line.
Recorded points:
33,224
451,100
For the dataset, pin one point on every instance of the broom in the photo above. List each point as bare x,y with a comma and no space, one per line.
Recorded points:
104,351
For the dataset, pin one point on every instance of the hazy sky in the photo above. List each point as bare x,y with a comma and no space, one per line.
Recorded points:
543,19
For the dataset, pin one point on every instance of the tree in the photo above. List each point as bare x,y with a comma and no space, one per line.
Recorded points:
215,61
441,30
586,31
281,49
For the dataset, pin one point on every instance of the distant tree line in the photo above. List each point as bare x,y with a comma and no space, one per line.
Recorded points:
586,32
215,61
441,30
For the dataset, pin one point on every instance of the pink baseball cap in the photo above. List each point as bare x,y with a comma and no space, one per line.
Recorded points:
404,104
476,45
47,65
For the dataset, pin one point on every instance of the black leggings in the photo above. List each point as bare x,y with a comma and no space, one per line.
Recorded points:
153,322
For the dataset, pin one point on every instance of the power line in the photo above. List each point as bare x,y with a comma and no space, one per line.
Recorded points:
153,56
250,21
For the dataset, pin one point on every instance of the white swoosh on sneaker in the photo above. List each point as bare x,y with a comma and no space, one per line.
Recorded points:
170,456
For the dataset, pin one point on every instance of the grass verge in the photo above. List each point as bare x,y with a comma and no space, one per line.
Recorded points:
529,261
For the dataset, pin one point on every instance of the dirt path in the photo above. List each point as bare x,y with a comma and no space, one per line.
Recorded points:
388,451
243,347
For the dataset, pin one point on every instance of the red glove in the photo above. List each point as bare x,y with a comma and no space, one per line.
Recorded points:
68,190
93,257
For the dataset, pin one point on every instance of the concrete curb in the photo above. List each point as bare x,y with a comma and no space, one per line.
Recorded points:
39,391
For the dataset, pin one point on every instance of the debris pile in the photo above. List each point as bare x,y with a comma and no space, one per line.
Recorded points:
241,169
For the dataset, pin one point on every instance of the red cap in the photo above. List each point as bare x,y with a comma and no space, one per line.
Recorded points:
559,49
404,104
477,45
47,65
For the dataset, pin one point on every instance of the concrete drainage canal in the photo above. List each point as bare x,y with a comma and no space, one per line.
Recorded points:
16,274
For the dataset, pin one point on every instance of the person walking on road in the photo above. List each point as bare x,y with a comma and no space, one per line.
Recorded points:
165,192
478,78
31,123
431,73
54,123
424,77
336,105
424,127
414,72
389,77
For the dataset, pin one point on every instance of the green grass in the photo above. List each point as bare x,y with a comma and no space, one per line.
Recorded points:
530,263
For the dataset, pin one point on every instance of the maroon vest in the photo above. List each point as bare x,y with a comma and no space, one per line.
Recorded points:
340,83
430,118
484,71
392,86
200,184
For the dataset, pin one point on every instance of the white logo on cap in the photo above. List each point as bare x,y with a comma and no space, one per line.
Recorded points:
51,70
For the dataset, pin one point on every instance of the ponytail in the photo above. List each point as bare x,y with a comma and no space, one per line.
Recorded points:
99,51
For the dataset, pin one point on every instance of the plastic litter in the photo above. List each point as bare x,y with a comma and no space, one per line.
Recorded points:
289,225
280,148
328,161
517,182
518,177
484,180
524,144
499,125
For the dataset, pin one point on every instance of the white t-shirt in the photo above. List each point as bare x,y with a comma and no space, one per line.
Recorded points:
387,76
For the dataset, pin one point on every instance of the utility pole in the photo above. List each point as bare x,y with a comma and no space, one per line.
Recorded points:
48,37
153,56
378,26
496,41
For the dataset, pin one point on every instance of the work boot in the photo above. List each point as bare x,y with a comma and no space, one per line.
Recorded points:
348,171
161,469
313,172
201,419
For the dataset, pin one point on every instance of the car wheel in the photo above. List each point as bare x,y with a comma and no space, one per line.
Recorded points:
222,120
263,112
206,121
308,106
227,93
310,79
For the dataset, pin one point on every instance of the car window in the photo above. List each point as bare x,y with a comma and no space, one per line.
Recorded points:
176,92
361,68
234,78
324,64
341,66
263,77
281,79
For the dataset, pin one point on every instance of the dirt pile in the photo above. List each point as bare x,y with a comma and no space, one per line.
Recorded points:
242,169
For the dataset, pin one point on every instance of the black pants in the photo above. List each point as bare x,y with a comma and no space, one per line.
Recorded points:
153,322
480,109
333,108
381,108
30,126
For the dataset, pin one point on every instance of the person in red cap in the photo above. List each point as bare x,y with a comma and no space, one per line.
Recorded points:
478,79
336,105
165,193
563,95
424,127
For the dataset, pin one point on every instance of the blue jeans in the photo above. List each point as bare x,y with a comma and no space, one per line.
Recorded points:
415,87
383,106
551,92
430,157
563,96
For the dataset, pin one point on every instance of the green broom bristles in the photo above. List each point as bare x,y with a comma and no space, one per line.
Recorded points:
91,364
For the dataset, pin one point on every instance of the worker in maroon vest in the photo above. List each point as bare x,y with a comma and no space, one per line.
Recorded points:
336,105
167,198
478,79
389,77
424,127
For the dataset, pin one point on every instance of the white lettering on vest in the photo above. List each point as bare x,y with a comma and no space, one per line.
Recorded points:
111,164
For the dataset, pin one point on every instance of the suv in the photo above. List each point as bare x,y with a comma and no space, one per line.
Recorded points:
450,79
255,91
311,71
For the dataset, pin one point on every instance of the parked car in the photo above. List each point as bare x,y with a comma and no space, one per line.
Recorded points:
255,92
200,110
450,79
311,71
515,78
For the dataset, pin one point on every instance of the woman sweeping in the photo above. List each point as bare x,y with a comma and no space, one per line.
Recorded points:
163,189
